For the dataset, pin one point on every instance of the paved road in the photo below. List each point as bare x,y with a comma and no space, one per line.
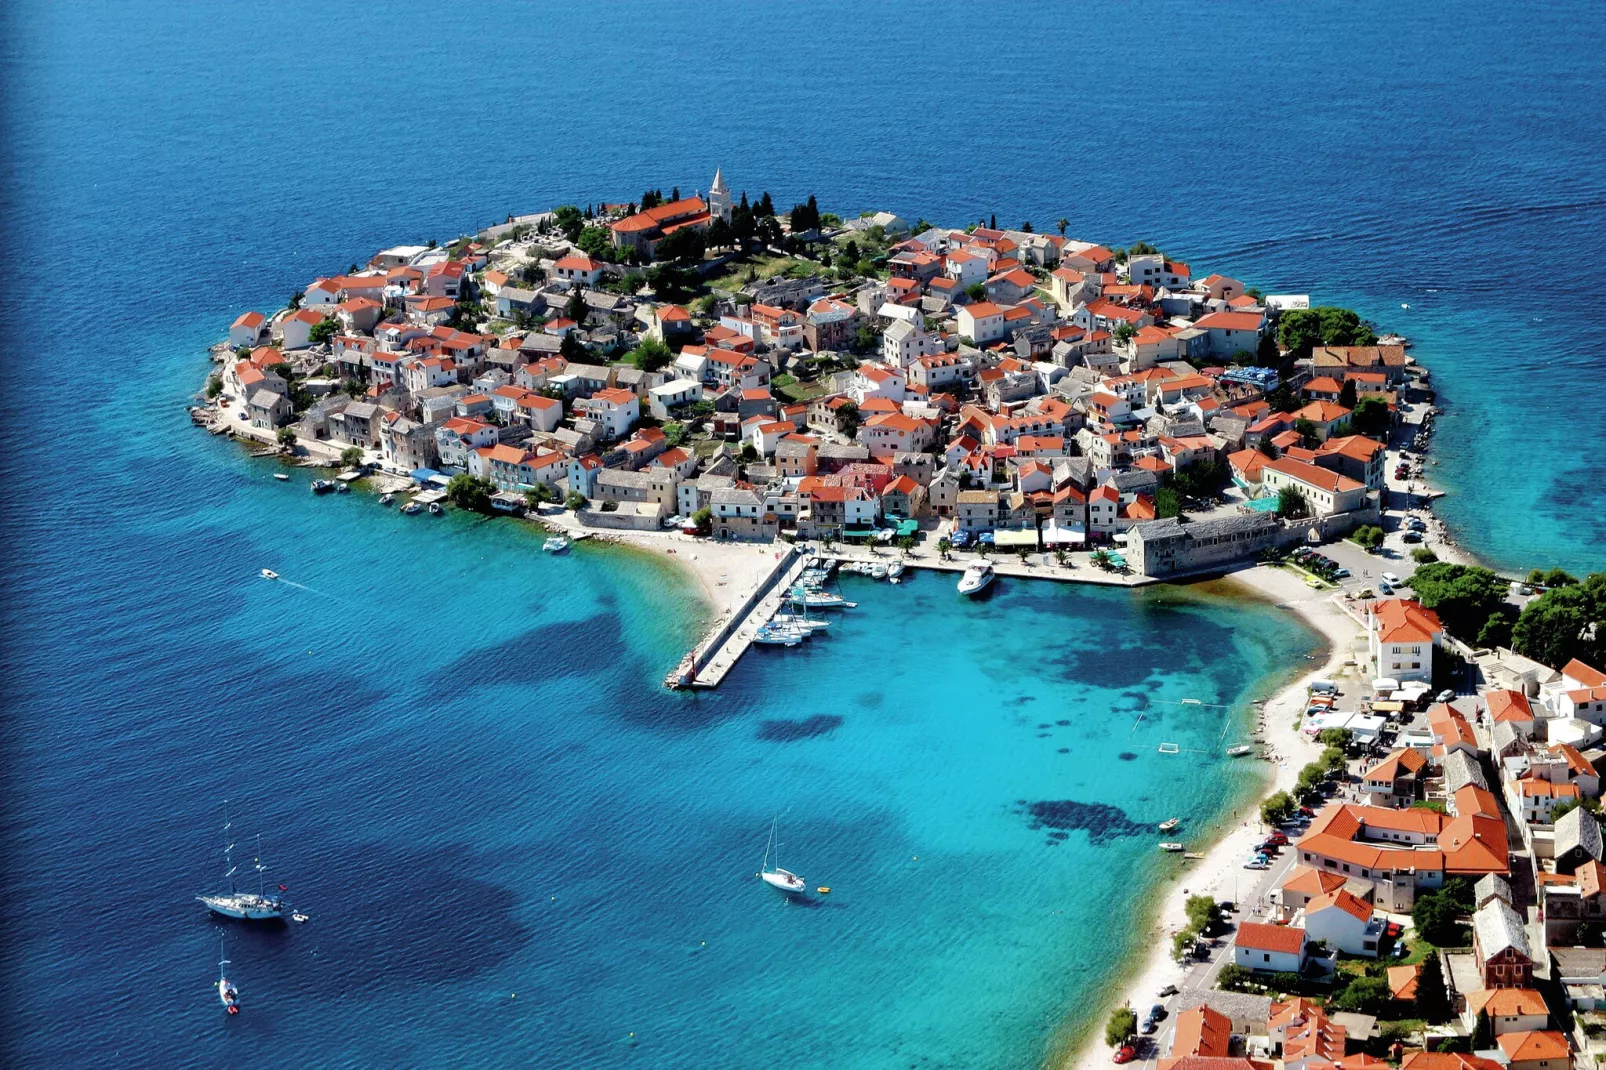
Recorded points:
1198,979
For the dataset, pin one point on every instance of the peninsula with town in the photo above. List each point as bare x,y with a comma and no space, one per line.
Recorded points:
766,395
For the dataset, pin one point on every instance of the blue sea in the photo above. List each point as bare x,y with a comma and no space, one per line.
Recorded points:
515,848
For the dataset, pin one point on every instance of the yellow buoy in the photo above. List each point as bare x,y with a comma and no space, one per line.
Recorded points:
824,889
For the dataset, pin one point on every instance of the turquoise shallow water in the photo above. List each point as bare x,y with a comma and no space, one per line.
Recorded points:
466,774
477,729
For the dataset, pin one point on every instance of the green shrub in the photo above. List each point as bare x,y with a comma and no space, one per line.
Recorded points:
1122,1024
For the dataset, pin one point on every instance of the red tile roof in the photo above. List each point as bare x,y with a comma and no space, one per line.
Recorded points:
1278,938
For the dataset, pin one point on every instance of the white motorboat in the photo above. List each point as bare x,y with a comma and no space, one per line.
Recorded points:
555,545
412,509
1240,750
435,509
1174,848
269,574
783,880
227,994
246,905
895,570
1170,823
386,499
281,477
976,578
877,571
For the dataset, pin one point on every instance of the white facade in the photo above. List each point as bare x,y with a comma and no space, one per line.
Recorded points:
981,323
904,343
660,399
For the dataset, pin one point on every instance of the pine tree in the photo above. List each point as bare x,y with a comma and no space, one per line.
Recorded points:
814,213
765,206
992,224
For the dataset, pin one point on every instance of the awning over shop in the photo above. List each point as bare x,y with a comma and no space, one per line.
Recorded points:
1388,707
1056,534
1011,537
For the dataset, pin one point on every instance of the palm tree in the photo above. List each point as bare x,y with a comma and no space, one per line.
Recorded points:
1059,557
1062,224
1101,559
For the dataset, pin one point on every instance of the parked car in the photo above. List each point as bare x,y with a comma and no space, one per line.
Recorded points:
1307,811
1445,696
1416,524
1384,588
1277,838
1168,991
1391,579
1125,1054
1342,574
1411,536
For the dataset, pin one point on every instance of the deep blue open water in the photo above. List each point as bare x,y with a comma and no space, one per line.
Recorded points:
455,748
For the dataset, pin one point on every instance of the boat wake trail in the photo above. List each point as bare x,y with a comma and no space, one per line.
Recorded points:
314,590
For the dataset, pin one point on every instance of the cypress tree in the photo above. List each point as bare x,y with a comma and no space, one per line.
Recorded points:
1432,1001
1482,1032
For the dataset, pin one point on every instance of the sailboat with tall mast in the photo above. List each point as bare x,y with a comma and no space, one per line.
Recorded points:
246,905
780,879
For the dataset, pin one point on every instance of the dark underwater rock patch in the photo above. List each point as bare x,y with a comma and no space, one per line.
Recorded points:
793,730
1101,822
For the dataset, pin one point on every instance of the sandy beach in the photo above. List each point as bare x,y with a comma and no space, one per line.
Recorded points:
1217,874
727,572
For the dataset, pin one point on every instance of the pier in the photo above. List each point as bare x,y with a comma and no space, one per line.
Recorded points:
708,662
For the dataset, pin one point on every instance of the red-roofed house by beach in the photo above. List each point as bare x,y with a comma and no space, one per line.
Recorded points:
248,330
1401,636
1269,948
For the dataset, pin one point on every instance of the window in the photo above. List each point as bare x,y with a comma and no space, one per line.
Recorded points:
1266,957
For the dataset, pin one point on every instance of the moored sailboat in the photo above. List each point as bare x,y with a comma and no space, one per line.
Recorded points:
246,905
227,994
783,880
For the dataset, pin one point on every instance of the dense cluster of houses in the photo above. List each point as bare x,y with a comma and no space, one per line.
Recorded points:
1299,1034
1499,790
1026,384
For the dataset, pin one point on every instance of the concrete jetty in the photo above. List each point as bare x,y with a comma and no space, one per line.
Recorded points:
706,665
